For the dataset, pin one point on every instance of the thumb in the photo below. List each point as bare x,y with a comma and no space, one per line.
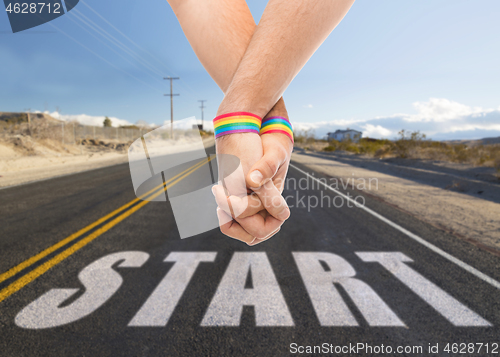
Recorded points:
265,169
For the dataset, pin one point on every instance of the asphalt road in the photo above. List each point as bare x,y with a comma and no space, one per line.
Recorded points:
348,280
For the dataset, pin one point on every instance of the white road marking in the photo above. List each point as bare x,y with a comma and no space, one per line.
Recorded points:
266,297
328,304
100,281
432,247
454,311
158,308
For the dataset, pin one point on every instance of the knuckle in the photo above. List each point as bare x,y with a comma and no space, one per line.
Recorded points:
271,165
261,233
224,229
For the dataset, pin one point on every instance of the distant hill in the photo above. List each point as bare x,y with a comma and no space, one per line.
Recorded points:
484,141
16,118
491,140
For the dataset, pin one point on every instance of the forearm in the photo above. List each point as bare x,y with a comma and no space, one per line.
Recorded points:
219,32
288,34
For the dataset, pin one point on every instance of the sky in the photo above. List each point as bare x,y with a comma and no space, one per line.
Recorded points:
428,65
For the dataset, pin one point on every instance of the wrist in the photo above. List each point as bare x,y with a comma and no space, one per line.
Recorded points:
277,125
236,123
242,101
279,110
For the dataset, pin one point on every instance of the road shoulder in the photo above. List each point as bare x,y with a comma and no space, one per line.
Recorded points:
466,216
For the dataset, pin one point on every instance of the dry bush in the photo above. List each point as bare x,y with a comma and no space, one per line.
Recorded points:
458,186
373,147
415,145
409,144
304,137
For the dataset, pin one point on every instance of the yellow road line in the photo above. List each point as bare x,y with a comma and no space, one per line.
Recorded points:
35,273
13,271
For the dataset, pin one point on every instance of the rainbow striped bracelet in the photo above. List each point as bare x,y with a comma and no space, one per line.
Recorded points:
237,122
277,125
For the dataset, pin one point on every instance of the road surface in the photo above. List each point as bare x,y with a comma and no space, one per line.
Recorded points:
89,270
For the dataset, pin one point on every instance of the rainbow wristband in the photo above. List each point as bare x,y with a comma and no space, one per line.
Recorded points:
238,122
277,125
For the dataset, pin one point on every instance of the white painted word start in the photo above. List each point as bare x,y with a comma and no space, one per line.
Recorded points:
101,282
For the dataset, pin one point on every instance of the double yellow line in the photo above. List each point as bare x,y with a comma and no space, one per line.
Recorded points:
35,273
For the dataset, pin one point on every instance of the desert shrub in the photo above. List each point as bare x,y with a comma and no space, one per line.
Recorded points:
384,151
348,145
351,147
496,164
406,146
304,136
364,146
460,153
332,145
413,145
372,146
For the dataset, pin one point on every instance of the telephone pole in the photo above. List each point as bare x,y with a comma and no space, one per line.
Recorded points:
202,107
171,95
28,112
62,124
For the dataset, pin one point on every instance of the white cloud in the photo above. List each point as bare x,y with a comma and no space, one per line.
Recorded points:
376,131
87,119
469,127
438,118
188,123
308,106
442,110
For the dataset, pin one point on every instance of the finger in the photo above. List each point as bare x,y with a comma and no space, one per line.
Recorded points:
267,167
259,225
233,229
279,179
237,207
242,207
221,198
257,240
273,201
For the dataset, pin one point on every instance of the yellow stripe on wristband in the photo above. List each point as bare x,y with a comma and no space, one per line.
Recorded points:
237,122
277,125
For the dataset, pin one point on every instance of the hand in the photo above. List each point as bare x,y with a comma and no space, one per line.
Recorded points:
253,224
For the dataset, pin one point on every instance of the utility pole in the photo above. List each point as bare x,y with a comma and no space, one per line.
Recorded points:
202,107
28,112
171,95
62,124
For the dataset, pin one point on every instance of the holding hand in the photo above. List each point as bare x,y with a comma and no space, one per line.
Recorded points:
253,65
256,204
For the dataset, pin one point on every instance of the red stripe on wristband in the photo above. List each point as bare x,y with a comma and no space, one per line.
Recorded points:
237,122
277,125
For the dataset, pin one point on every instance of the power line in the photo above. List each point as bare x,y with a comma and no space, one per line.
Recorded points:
91,24
121,33
122,46
171,95
111,48
190,91
91,51
202,107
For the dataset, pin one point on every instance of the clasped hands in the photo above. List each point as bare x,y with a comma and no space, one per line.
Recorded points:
253,65
256,205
